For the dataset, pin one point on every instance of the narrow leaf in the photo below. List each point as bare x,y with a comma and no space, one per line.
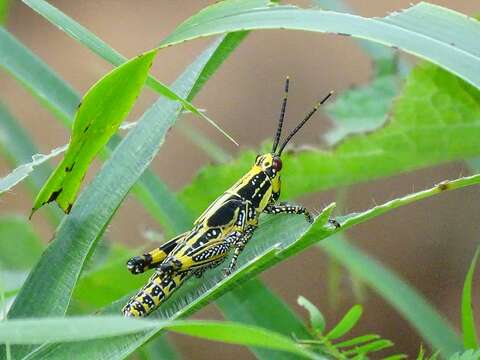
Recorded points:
57,330
374,346
348,321
98,117
470,340
357,340
421,30
317,321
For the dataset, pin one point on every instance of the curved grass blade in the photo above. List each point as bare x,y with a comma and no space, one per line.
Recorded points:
421,30
98,117
90,40
277,239
433,327
468,321
422,131
57,330
77,236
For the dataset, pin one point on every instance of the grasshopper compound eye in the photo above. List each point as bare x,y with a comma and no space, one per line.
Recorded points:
277,164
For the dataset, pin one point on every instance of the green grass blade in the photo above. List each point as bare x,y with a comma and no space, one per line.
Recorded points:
468,321
279,238
90,40
38,331
375,51
66,255
98,117
453,46
247,304
421,132
406,300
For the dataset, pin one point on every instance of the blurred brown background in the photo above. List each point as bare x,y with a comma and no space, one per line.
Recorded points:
429,243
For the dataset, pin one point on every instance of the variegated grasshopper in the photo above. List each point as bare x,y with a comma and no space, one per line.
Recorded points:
228,223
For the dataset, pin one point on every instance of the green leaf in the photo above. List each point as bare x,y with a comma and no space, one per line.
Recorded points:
77,329
397,292
362,109
374,346
317,321
77,236
98,117
348,321
279,238
247,304
468,322
20,246
466,355
435,120
357,340
91,41
421,30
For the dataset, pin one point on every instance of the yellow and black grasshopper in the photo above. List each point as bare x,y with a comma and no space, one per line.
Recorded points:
228,223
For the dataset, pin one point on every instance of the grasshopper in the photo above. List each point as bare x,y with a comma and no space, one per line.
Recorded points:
227,224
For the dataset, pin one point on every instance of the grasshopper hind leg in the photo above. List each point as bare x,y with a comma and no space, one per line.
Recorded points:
139,264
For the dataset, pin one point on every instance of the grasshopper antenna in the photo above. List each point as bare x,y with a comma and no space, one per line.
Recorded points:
299,126
282,116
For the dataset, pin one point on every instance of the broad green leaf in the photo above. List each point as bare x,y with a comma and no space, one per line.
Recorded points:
468,321
78,235
397,292
20,246
348,321
160,345
278,238
90,40
247,304
317,321
420,30
98,117
435,120
37,331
